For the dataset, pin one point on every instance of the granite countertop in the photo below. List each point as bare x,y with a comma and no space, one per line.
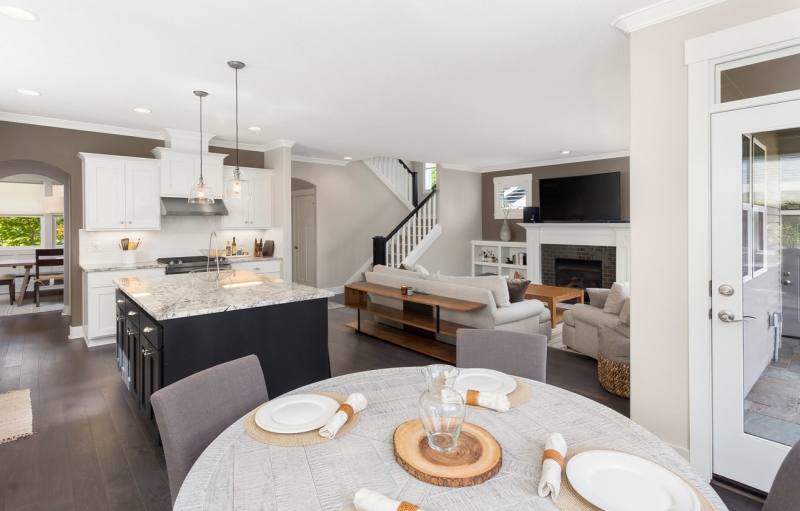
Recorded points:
250,259
114,266
184,295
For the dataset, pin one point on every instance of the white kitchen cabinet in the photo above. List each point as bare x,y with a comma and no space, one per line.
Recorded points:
99,305
180,170
120,193
254,209
268,267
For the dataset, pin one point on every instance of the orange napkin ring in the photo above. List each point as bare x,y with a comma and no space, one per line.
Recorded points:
347,409
552,454
472,397
406,506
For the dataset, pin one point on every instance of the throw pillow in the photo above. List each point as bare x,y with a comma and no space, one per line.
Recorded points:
616,298
496,284
625,313
516,289
597,296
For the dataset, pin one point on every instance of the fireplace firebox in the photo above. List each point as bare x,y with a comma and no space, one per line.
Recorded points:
578,273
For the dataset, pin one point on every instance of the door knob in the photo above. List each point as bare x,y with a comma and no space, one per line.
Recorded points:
726,290
729,317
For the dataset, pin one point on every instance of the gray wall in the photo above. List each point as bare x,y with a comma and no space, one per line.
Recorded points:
353,205
459,210
491,227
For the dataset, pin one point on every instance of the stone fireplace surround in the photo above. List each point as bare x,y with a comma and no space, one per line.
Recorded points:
584,236
607,256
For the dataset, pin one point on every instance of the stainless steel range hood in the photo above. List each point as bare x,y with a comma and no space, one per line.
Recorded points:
175,206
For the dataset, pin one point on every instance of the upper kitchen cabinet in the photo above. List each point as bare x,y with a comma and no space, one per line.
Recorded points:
120,193
180,170
254,209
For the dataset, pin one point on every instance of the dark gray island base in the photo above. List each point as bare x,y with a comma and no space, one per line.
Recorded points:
290,340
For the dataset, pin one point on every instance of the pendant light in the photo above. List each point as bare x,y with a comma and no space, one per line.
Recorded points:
200,192
233,188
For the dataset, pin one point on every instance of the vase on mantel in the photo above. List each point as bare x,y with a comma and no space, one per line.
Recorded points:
505,230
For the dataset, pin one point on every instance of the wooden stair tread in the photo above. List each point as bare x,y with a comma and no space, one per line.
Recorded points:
435,349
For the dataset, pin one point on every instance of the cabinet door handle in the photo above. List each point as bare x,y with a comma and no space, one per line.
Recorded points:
131,313
129,331
120,300
147,329
147,352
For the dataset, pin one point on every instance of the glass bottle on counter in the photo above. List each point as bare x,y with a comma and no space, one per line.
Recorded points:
233,246
227,248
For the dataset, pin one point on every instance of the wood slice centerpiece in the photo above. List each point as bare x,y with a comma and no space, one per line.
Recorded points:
477,458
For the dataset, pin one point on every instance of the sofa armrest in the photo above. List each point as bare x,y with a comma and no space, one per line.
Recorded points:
598,296
517,311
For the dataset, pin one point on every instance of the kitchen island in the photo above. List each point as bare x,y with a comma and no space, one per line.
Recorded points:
172,326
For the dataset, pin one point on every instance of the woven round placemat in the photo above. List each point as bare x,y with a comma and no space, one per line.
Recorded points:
570,500
298,439
522,394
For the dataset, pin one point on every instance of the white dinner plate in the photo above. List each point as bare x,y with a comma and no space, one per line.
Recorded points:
616,481
296,414
485,380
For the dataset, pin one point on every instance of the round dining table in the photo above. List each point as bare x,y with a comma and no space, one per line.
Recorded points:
238,472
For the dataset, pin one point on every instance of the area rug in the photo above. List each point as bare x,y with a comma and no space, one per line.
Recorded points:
16,415
28,308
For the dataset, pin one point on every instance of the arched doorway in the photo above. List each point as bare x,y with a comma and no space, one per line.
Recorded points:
304,232
9,168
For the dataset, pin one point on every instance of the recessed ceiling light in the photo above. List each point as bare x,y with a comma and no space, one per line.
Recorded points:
348,157
565,152
17,13
29,92
254,128
142,110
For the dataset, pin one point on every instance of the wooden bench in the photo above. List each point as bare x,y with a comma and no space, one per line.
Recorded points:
420,318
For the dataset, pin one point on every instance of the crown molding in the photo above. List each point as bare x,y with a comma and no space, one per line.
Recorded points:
275,144
559,161
231,144
80,125
659,12
319,161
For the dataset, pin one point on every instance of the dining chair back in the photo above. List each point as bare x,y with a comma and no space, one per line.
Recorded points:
193,411
513,353
8,280
785,491
49,270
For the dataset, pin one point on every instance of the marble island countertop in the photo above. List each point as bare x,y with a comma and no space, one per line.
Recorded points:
142,265
184,295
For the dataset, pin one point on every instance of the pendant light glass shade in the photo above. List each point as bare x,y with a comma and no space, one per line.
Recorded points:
234,185
200,193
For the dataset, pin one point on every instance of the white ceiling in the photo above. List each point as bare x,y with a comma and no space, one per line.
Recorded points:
467,82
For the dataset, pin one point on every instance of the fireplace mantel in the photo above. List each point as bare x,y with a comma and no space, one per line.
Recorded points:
616,235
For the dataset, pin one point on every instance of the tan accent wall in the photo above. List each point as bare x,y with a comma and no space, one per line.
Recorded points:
491,227
659,205
252,159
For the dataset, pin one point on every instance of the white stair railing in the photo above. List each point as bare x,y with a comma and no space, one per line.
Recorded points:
403,243
395,176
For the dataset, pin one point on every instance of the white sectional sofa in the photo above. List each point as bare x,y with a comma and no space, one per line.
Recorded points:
527,316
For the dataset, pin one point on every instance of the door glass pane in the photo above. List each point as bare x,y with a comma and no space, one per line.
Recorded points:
771,298
760,78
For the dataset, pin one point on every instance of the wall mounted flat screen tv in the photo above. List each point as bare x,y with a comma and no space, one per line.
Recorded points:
589,198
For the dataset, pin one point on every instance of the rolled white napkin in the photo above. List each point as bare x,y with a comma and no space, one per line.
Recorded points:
492,400
368,500
550,482
356,401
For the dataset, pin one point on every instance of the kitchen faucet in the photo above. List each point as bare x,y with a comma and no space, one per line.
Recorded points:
211,238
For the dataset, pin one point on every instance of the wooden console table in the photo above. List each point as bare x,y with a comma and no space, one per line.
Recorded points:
551,295
421,313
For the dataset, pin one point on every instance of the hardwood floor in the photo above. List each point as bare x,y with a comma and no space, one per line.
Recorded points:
90,451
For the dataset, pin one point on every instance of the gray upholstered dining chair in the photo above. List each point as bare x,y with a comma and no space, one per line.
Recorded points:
510,352
785,491
193,411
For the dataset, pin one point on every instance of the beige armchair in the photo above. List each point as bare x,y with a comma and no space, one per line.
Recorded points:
582,323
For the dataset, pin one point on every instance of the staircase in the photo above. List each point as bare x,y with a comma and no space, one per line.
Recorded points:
397,176
411,238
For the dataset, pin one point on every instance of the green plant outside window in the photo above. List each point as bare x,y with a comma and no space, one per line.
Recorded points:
20,231
59,220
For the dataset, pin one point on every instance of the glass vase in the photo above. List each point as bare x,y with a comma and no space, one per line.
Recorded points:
441,408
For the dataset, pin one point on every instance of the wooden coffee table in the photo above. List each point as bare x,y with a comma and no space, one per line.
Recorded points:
551,295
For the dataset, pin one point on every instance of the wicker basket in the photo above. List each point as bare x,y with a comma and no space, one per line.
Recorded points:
615,377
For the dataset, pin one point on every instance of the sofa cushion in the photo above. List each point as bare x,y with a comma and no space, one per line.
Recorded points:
516,289
614,345
594,316
625,313
597,296
518,311
400,272
497,285
616,298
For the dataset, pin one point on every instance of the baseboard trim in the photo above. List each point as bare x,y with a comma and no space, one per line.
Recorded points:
75,332
66,311
337,290
101,341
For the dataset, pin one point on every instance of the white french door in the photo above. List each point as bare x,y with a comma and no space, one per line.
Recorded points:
755,195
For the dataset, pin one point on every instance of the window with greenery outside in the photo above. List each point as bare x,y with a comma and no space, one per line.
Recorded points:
59,222
20,231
